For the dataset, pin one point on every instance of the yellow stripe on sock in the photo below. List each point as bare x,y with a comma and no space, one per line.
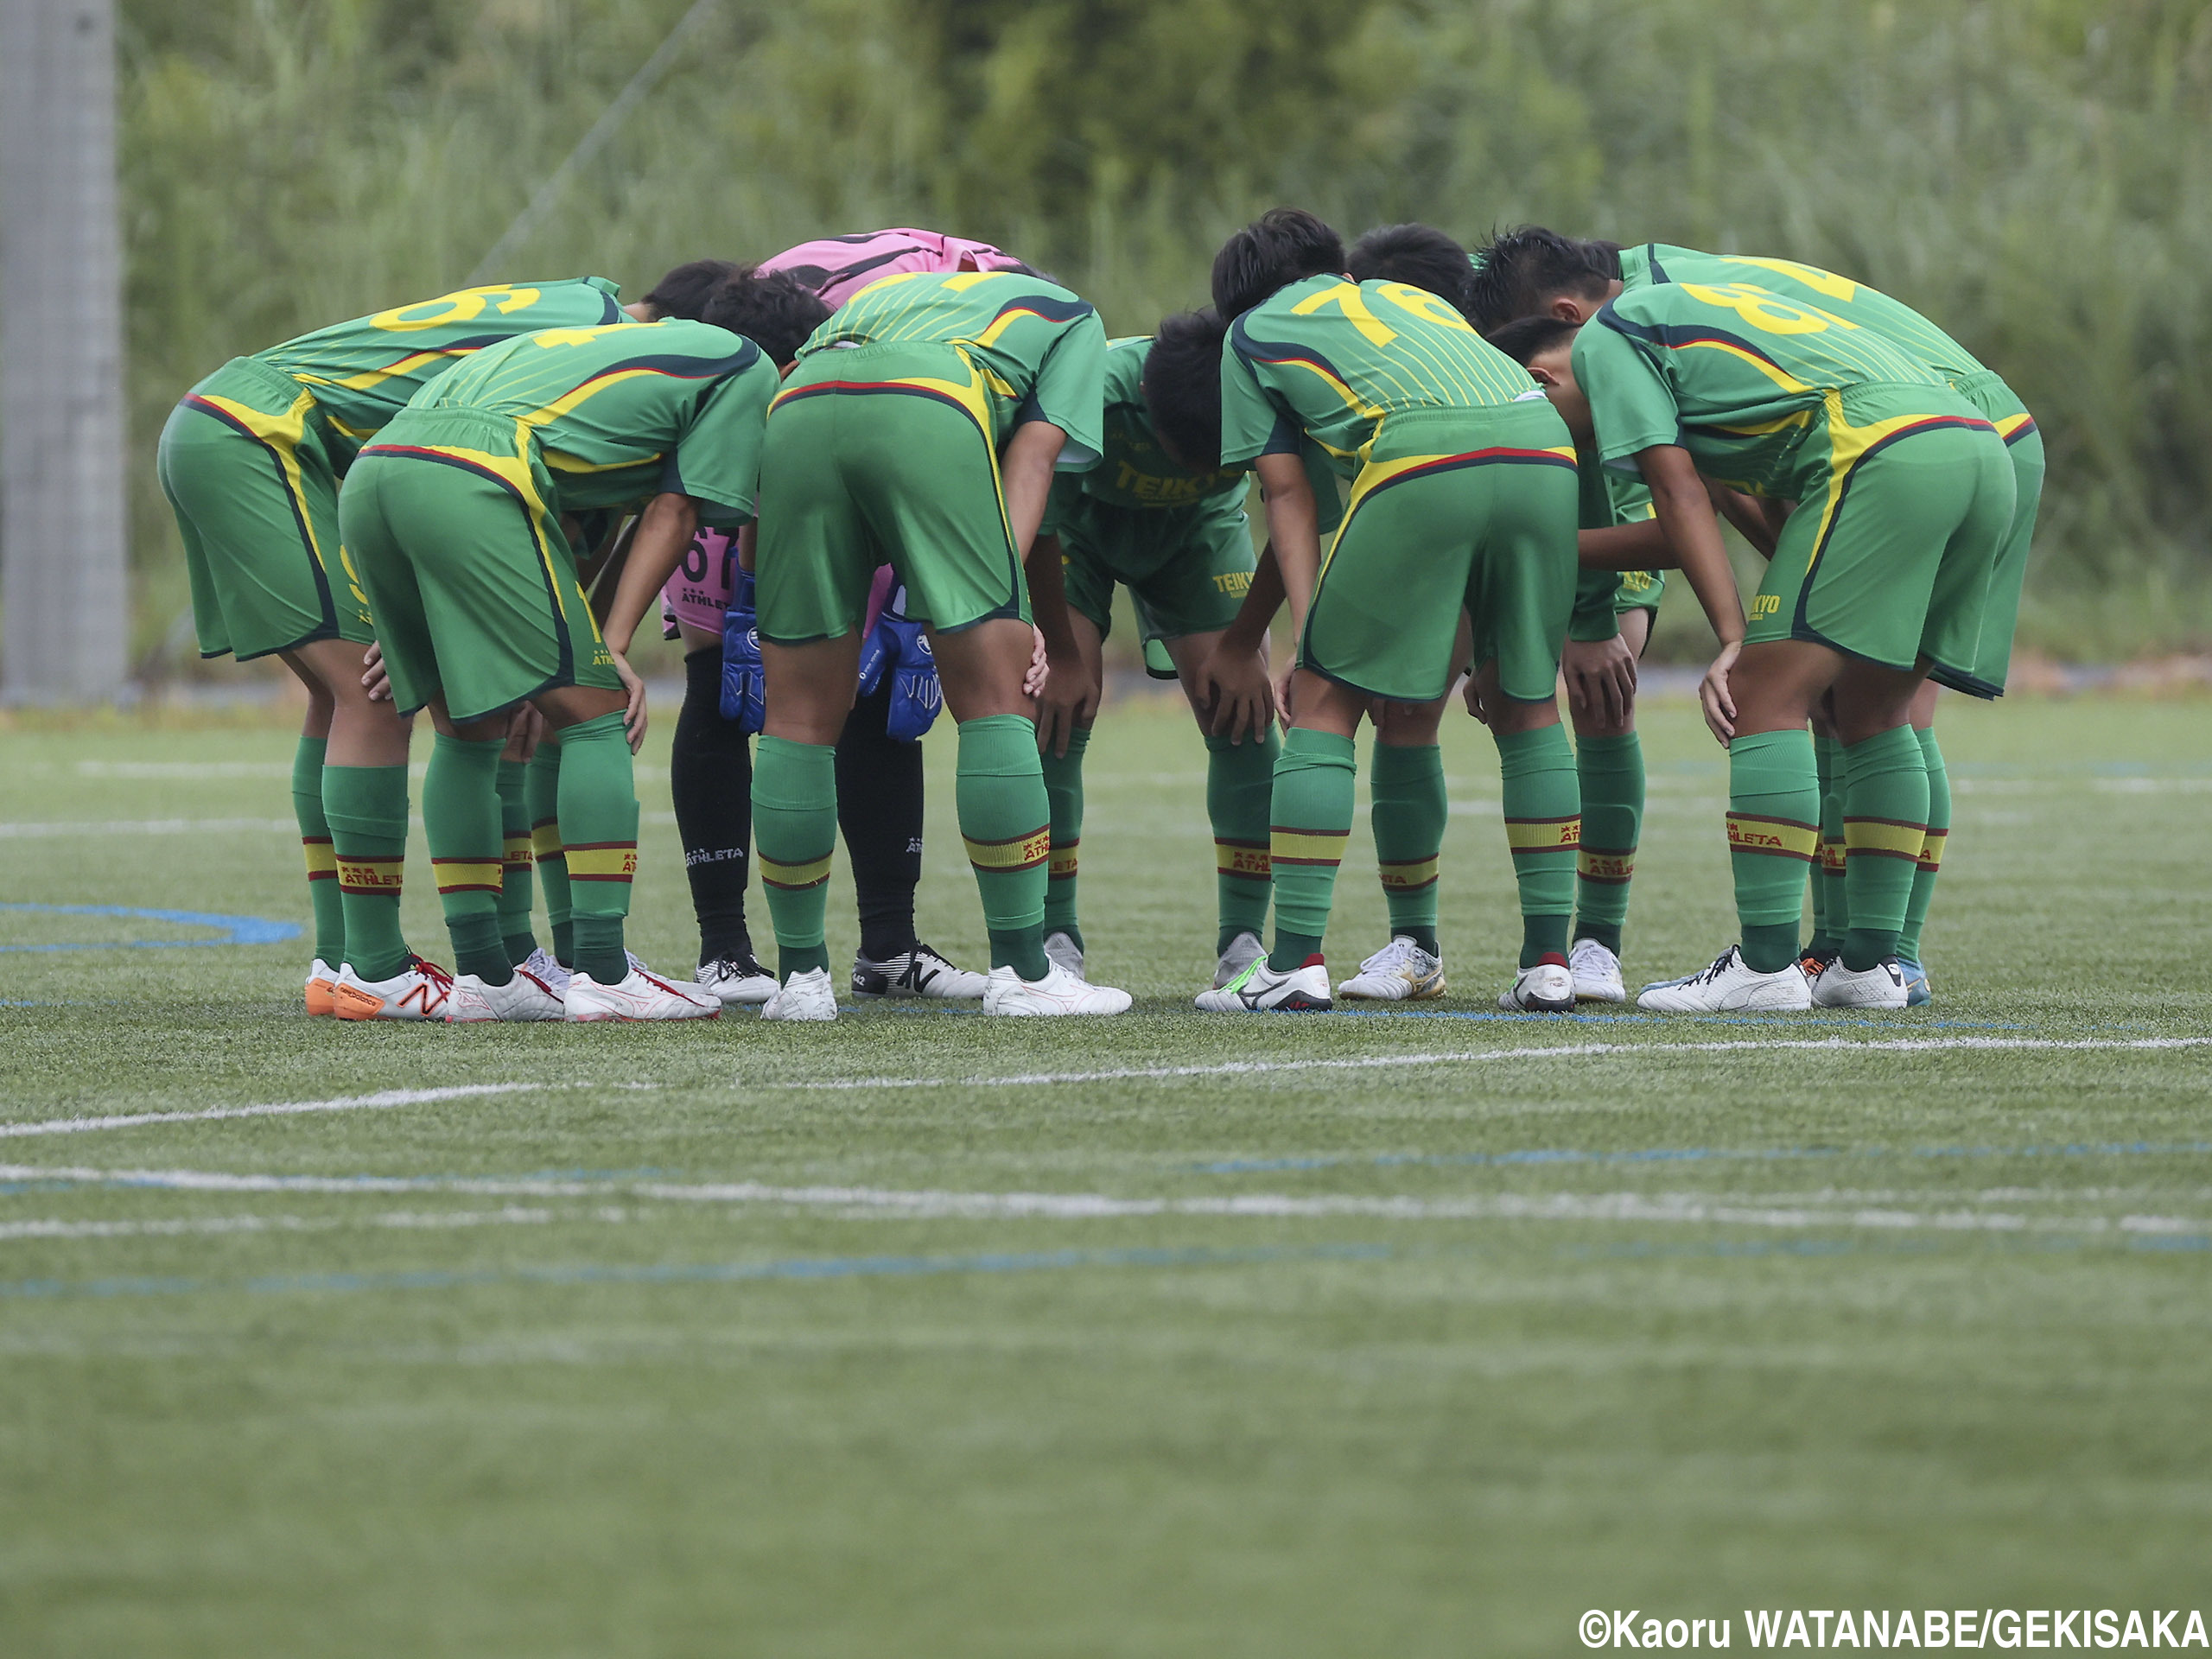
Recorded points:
1409,875
370,875
545,839
792,877
1783,837
1306,846
1247,860
467,875
1884,838
1015,852
322,862
1613,869
1544,835
515,852
1832,857
1931,850
605,860
1064,860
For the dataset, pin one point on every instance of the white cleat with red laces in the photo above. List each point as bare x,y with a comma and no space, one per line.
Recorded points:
524,997
640,995
422,990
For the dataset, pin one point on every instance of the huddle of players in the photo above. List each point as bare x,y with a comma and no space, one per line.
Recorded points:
956,442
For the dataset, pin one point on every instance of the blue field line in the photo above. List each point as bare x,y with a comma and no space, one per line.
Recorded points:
1691,1155
829,1267
236,930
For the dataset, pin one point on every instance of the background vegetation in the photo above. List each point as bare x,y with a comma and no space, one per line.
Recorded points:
2036,174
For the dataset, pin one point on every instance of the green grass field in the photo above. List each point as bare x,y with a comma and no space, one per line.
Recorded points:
1420,1335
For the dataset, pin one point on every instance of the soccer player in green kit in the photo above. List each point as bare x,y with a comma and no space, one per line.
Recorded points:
1178,539
1881,574
921,428
452,518
250,461
1462,499
1535,271
1611,624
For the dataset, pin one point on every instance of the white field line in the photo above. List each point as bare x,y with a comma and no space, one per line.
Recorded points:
278,1109
509,1217
145,827
1463,1056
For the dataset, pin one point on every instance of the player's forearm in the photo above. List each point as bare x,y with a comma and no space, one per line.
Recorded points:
1684,512
1749,515
1048,598
1025,472
1640,546
1293,531
666,529
1249,632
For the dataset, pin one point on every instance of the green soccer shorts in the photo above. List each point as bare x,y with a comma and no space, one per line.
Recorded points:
2024,443
1187,568
1464,508
473,585
1603,597
1893,562
883,455
245,469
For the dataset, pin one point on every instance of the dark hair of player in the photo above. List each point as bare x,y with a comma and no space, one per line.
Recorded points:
1526,339
1182,386
1522,270
1283,246
772,309
1419,255
685,291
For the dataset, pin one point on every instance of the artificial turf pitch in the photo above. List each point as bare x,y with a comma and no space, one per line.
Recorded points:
665,1347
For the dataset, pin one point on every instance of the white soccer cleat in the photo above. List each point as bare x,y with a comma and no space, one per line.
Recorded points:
322,979
810,995
1548,988
1400,972
1260,989
1243,951
419,991
544,967
1881,985
736,980
919,972
1058,992
641,995
523,998
1062,952
1729,987
1596,973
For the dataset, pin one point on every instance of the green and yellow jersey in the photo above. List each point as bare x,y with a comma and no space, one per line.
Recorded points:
1035,350
362,374
1331,360
1133,470
1768,396
624,412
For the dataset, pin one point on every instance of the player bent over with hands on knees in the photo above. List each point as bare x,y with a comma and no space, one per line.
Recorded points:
1532,272
920,428
454,517
1883,571
1462,499
1176,536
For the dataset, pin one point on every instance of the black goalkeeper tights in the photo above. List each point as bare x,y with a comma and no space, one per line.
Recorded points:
879,810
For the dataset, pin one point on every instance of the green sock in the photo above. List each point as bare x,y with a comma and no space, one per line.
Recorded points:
1406,809
1609,772
1543,826
1884,825
794,832
1240,790
542,797
1064,791
1827,870
515,883
315,839
460,819
366,809
1931,848
1310,820
1773,805
599,834
1006,820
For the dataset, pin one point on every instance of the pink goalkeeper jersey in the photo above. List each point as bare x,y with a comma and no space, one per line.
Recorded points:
837,268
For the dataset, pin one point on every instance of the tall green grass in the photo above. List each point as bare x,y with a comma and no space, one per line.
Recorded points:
2036,175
